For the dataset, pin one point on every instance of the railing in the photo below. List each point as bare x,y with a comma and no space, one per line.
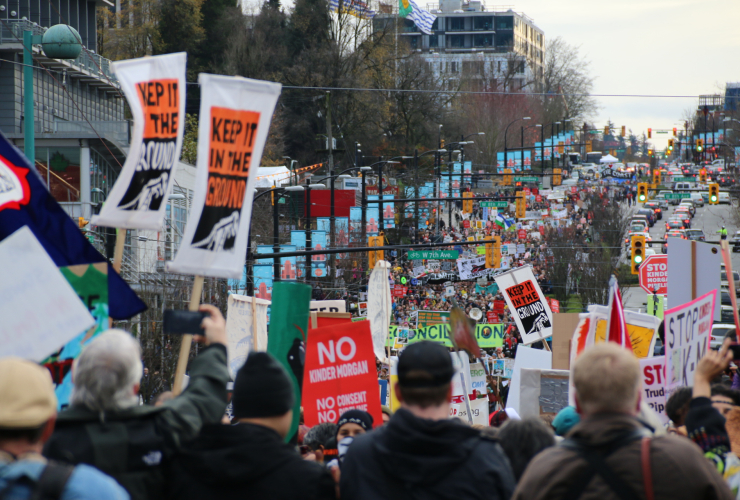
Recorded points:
98,66
118,131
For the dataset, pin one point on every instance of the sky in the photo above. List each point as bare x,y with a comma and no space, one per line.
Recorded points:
644,47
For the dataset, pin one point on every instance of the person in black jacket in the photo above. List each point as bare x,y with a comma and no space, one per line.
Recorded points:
421,453
251,459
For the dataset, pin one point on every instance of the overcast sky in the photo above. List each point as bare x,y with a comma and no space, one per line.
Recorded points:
655,47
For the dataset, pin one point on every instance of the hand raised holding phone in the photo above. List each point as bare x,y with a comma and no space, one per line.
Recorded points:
207,324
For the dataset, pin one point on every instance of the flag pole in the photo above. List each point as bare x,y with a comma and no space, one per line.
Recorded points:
182,361
611,303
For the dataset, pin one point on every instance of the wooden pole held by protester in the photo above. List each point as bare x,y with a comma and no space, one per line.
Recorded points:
182,361
118,252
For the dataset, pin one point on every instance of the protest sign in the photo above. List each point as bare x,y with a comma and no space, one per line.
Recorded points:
653,274
653,385
340,374
479,410
379,306
564,324
642,329
487,335
693,270
155,90
478,378
503,368
392,382
542,392
246,329
469,269
527,302
39,309
526,357
235,115
287,336
687,335
330,306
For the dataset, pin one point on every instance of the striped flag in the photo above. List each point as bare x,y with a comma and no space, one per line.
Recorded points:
356,8
421,17
617,324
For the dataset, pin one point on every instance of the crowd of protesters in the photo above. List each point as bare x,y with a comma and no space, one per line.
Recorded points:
107,445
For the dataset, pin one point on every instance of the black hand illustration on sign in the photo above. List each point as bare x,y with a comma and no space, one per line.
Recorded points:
218,236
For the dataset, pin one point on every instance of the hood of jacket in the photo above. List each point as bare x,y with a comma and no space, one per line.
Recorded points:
234,454
415,450
605,429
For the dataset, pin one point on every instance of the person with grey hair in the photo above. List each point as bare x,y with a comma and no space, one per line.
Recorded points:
106,427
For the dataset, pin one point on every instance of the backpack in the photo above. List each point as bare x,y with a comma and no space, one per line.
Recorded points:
50,484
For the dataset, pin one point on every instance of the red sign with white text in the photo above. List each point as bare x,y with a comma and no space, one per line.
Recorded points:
554,305
653,274
340,374
522,234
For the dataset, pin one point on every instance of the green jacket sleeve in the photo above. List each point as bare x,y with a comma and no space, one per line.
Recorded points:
202,402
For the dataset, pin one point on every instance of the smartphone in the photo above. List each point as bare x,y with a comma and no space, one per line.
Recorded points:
180,322
735,348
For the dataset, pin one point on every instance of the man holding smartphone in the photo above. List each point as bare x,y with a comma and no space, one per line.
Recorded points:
106,427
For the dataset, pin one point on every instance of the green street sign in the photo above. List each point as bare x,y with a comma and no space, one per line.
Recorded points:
494,204
677,196
433,254
683,179
525,179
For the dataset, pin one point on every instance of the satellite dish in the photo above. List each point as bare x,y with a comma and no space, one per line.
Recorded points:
476,313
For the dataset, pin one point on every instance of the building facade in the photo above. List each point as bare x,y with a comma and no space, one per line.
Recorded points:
476,47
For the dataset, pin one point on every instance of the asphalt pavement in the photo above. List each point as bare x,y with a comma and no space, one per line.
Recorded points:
709,218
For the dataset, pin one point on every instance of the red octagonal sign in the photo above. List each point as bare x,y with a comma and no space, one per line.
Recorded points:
654,274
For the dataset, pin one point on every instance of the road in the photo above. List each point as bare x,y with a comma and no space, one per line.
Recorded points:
709,218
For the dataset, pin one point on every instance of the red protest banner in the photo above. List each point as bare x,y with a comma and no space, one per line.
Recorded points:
522,234
538,198
466,224
340,374
554,305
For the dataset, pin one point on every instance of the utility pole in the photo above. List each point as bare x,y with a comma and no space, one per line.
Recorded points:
333,262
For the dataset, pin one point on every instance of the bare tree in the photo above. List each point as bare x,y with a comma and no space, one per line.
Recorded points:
567,76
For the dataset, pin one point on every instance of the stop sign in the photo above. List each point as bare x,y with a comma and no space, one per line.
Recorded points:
653,274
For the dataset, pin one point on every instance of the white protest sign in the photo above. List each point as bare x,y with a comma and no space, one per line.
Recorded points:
240,329
454,410
693,270
461,363
155,90
478,378
330,306
653,385
527,302
542,392
379,307
479,410
526,357
472,268
418,270
687,336
503,368
39,309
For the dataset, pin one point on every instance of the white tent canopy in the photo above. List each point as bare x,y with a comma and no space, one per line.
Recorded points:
268,177
608,159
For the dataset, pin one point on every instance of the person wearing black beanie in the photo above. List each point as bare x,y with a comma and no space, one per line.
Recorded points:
251,456
353,423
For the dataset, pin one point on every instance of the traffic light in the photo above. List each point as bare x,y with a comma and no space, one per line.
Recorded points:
700,145
670,144
81,222
507,178
561,147
467,205
606,130
493,253
714,194
374,256
703,175
674,131
441,144
624,131
589,146
638,252
656,177
650,133
521,205
557,178
642,192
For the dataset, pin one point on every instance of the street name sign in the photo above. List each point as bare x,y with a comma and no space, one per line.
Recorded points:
494,204
433,254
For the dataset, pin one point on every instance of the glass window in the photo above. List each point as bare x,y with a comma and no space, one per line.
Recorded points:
60,170
456,41
414,42
504,39
504,22
433,41
457,23
483,40
483,23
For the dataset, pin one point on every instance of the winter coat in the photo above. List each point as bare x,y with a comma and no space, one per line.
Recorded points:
679,470
414,458
246,461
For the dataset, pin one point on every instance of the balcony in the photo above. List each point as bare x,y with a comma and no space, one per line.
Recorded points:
118,131
89,67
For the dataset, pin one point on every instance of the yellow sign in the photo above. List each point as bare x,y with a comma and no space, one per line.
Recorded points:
641,337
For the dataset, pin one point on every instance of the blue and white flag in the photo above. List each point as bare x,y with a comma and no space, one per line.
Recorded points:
422,18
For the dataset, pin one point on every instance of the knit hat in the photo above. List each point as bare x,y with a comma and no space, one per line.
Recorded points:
359,417
27,397
425,364
565,420
262,388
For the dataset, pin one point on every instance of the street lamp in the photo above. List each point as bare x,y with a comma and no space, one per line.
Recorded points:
506,151
290,167
280,191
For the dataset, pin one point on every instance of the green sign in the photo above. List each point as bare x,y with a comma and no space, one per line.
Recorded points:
525,179
494,204
488,335
403,280
426,318
433,254
677,196
683,179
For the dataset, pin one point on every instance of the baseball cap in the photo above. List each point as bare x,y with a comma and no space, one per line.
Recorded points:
27,397
425,364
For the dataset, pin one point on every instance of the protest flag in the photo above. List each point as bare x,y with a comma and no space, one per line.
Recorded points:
25,201
287,337
617,324
379,307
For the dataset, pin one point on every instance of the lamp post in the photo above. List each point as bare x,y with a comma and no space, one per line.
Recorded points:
290,167
506,131
436,153
279,191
